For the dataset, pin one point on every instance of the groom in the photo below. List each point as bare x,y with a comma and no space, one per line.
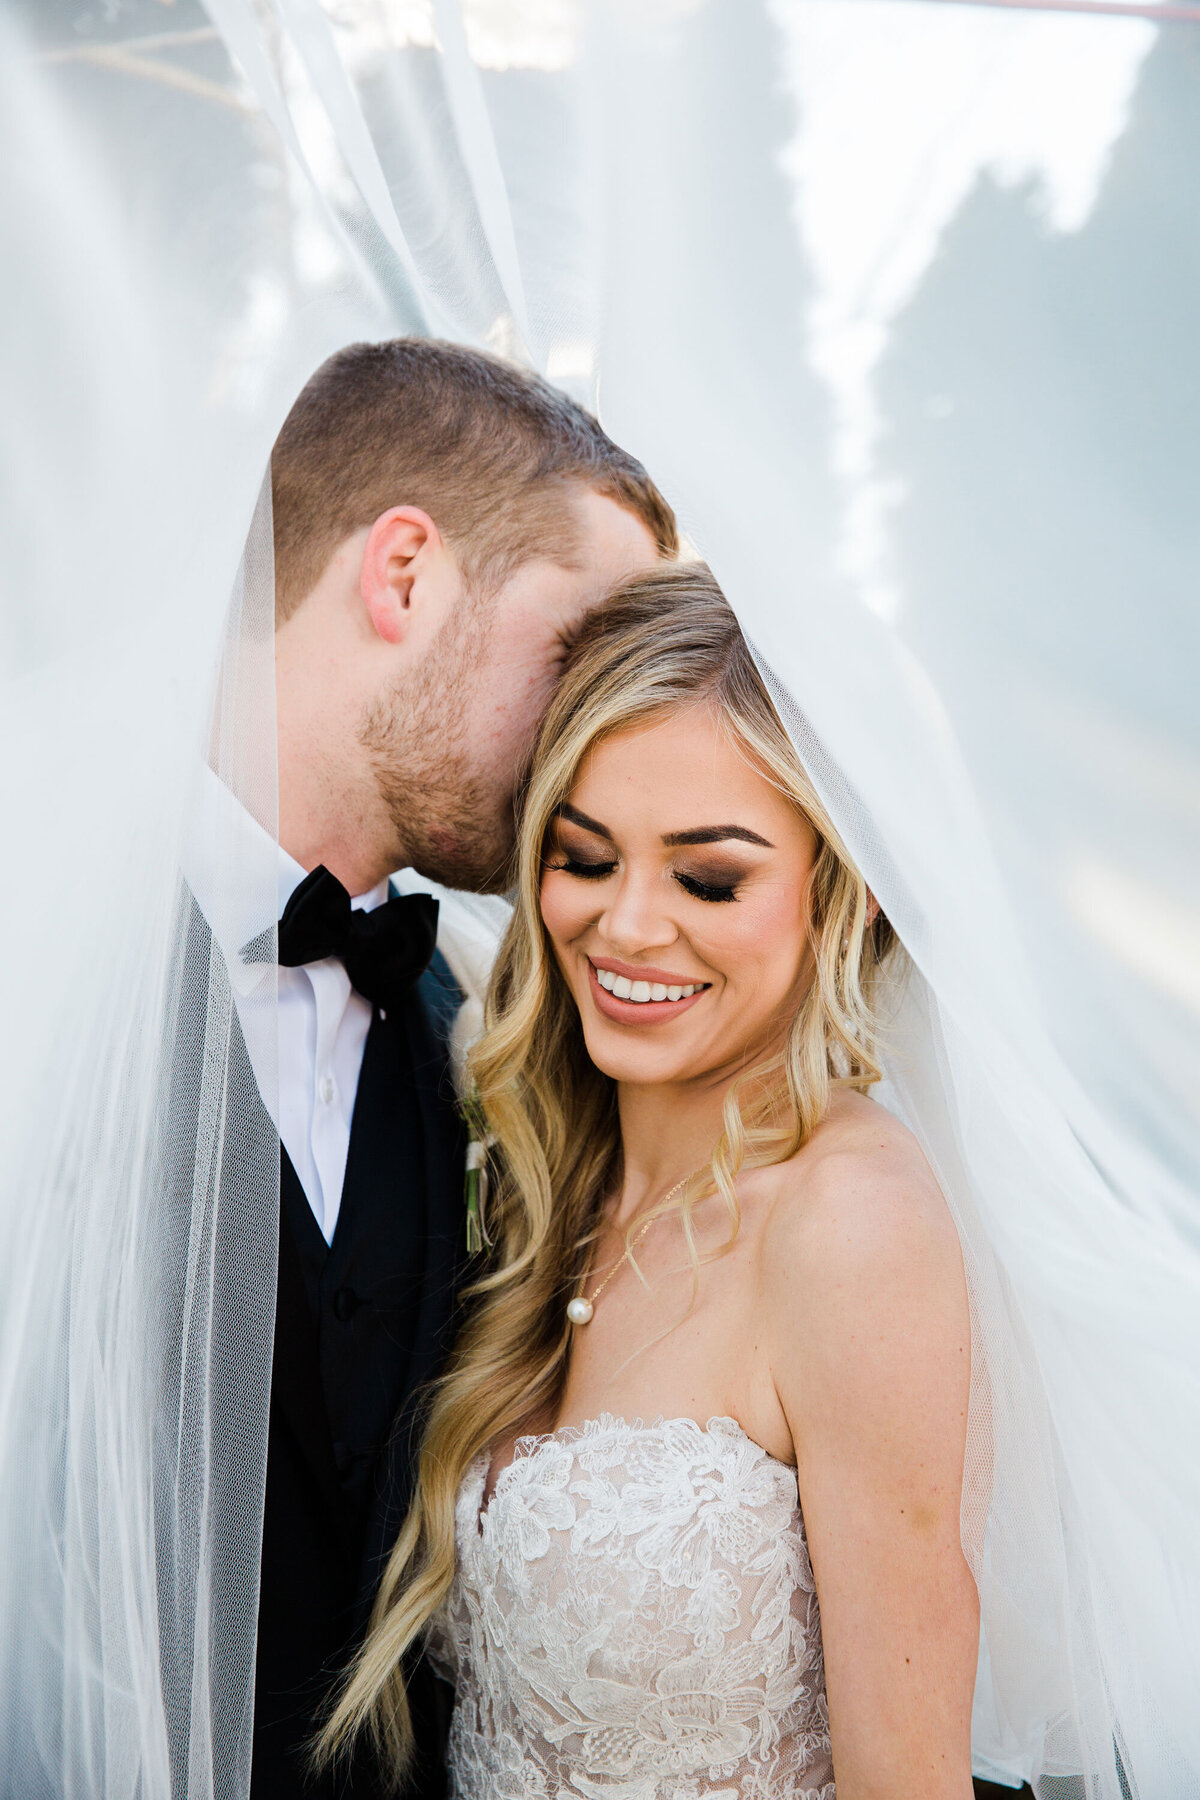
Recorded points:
443,522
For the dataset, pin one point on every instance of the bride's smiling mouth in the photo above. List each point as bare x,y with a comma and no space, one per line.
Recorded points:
631,995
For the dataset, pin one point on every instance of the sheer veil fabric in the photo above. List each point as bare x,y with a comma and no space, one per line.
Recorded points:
896,298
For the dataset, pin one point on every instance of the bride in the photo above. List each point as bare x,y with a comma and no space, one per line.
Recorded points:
688,1519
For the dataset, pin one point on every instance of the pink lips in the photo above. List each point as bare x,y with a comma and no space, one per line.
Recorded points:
639,1012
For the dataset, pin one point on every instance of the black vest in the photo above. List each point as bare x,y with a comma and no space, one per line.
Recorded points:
361,1327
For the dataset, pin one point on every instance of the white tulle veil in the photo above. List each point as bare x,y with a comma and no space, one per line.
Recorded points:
896,298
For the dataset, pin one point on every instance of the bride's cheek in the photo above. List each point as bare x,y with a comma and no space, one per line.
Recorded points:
562,913
758,946
775,922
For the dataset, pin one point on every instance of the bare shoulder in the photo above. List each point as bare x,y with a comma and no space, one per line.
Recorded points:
862,1297
858,1208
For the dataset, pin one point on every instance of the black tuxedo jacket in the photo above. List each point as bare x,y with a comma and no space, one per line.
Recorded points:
361,1328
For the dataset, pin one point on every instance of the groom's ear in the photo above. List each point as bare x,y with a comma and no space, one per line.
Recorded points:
401,545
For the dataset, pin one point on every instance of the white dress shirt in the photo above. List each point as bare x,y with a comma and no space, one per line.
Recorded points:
308,1063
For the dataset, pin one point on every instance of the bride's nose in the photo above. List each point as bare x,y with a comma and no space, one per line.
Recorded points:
638,916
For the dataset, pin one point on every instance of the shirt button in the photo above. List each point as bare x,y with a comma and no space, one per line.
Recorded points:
327,1090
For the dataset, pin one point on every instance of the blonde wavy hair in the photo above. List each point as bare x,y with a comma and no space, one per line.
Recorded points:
665,641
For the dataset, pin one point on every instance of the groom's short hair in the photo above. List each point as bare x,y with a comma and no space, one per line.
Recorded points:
491,452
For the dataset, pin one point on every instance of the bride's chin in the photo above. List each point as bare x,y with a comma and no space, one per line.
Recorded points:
647,1064
635,1071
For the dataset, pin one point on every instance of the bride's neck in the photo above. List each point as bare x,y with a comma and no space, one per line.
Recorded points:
668,1131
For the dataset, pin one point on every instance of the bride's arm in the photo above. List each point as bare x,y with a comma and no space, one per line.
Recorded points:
870,1351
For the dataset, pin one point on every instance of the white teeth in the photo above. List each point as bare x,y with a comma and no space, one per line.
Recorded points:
641,992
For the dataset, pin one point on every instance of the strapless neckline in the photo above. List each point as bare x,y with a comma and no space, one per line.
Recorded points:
529,1443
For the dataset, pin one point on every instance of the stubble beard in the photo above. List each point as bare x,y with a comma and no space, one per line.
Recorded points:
455,826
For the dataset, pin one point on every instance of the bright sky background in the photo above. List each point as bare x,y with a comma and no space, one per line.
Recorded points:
902,107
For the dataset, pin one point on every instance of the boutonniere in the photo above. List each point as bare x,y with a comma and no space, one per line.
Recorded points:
475,1185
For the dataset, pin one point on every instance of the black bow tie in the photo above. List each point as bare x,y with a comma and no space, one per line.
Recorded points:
384,951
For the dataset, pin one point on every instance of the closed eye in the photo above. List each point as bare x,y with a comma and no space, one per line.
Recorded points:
585,870
706,890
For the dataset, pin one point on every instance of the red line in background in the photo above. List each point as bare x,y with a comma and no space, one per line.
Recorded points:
1179,13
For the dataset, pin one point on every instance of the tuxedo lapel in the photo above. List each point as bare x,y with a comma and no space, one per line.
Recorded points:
441,1223
445,1161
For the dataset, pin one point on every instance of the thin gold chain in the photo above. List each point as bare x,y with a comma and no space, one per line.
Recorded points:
632,1246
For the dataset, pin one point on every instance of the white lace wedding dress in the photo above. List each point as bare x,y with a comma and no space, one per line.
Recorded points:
634,1618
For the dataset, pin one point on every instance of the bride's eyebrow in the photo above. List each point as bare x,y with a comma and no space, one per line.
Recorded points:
575,817
701,834
716,834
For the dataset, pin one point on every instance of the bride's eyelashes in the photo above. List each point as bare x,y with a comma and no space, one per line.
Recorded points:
586,869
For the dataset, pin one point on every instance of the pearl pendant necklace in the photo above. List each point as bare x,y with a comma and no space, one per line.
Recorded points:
580,1310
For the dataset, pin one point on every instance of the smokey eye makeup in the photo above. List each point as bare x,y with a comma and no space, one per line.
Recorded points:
713,887
574,849
713,877
586,859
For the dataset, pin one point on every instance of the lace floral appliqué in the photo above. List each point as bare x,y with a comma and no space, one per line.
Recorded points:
634,1618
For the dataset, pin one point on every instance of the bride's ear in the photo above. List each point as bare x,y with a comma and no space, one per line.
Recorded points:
400,544
873,908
